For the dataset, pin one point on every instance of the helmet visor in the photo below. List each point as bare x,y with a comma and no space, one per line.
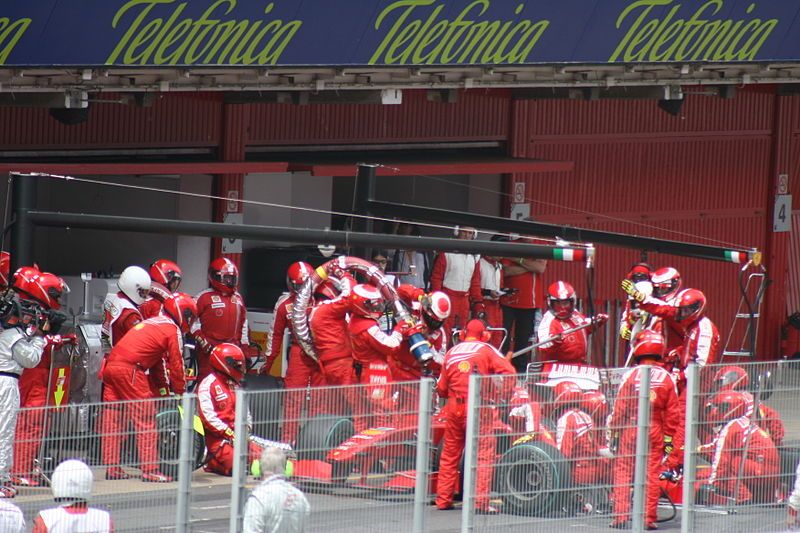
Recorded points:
173,281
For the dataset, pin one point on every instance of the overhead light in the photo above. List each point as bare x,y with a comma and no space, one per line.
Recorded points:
673,107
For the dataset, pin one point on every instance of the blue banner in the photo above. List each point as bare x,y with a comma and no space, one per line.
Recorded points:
394,32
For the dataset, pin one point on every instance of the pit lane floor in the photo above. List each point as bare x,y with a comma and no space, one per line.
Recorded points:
138,506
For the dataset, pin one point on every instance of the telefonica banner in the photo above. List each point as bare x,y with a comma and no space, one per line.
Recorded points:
394,32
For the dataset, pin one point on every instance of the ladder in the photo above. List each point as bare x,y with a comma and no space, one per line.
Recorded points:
738,342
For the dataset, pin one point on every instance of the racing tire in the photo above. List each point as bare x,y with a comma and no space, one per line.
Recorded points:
168,426
533,479
320,435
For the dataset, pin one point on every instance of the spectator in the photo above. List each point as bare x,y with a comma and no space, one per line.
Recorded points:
275,505
459,276
72,488
11,518
522,304
410,266
381,260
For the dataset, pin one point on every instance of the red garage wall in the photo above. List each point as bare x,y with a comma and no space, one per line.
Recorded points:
705,176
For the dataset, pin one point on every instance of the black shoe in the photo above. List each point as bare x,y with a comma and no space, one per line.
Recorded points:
620,524
651,526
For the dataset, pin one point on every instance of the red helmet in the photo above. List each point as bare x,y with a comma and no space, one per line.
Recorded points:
367,300
46,289
726,406
691,305
475,330
297,274
666,282
182,309
327,290
228,359
640,272
223,275
595,405
567,394
5,269
648,343
22,278
561,299
436,308
167,273
731,378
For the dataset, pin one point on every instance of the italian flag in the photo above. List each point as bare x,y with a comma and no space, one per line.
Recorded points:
735,256
569,254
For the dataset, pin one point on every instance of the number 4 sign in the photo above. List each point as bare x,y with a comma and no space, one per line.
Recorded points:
782,215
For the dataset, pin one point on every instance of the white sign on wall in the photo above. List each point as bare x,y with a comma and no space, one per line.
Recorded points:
519,192
782,215
520,211
232,246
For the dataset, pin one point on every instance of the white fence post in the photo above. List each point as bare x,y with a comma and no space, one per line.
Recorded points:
689,456
239,473
424,445
470,454
185,467
642,449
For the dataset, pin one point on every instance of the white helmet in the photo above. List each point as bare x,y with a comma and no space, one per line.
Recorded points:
134,282
72,480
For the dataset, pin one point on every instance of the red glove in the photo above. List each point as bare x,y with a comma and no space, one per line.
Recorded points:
407,329
600,319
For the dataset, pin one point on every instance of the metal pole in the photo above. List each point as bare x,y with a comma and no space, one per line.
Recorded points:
609,333
364,192
424,446
239,474
306,235
23,199
642,451
525,227
470,454
689,456
184,460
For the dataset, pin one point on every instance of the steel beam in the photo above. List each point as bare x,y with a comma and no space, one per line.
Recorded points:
344,239
23,198
568,233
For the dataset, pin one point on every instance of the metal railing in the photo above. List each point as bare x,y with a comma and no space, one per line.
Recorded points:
368,457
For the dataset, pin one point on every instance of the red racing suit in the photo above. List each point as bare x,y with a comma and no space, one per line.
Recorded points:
460,362
371,348
155,303
301,371
33,394
491,283
571,348
221,318
761,471
216,399
328,325
701,346
458,276
155,345
664,420
768,419
405,368
577,441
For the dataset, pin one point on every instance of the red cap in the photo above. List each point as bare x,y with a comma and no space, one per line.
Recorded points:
474,330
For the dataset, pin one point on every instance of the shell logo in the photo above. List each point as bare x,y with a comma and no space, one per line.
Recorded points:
464,367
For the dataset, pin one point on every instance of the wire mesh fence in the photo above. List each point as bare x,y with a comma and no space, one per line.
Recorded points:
744,441
556,447
355,451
